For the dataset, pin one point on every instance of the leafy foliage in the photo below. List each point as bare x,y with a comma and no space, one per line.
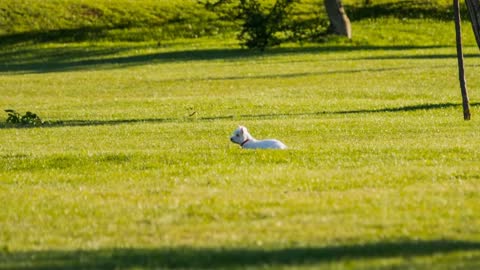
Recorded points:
264,25
259,28
28,119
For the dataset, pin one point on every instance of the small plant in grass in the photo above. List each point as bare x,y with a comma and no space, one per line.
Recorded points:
28,119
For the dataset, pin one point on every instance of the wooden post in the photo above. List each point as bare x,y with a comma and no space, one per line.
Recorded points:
473,7
461,67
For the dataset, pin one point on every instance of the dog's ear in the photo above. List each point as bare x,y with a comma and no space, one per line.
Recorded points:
243,130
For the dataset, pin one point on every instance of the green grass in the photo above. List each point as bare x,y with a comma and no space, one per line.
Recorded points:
381,170
73,21
64,21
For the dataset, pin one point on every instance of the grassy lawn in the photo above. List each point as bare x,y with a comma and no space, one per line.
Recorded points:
134,168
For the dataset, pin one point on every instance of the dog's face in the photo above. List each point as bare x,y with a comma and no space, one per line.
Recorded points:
239,135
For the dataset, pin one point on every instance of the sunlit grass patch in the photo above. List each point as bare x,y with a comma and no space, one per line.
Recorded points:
134,167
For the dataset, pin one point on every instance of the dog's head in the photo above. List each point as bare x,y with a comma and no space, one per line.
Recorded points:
240,135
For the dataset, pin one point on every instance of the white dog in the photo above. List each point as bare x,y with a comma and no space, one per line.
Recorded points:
242,137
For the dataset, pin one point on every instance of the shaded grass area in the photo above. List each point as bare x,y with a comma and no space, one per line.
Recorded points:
109,33
57,58
233,258
60,35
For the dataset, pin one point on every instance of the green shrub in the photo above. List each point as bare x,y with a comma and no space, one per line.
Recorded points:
28,119
268,24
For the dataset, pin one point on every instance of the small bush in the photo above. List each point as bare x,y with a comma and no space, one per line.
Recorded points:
261,25
28,119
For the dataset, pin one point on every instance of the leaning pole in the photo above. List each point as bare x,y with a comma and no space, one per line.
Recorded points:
461,66
473,7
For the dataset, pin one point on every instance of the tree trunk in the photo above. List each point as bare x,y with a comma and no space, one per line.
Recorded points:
461,70
474,11
339,22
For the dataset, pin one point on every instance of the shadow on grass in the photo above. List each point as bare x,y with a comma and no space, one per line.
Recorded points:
33,59
80,123
418,56
294,74
58,35
211,258
313,73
